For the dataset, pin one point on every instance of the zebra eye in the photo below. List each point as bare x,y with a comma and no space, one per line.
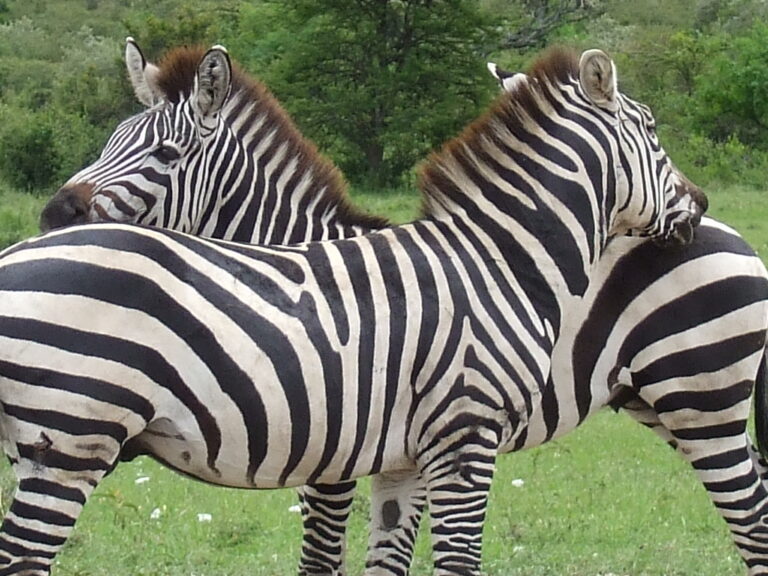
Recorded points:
166,153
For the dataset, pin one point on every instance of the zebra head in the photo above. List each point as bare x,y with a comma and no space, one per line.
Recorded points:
152,152
213,154
647,182
651,186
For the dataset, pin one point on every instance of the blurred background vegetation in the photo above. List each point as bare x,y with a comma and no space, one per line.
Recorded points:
379,83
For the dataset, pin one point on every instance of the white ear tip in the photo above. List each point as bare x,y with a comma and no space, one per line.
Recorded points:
220,48
512,82
491,67
130,40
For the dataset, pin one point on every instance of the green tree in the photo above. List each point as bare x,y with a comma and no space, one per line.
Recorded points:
377,83
732,90
160,25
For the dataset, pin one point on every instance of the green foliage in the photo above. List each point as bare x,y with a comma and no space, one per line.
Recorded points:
716,163
90,81
59,101
159,26
732,91
378,85
42,149
29,160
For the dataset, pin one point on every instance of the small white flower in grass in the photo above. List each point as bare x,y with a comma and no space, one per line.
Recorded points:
156,513
517,549
295,509
518,482
204,517
141,480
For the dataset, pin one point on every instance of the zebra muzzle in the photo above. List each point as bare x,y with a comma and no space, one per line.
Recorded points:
69,206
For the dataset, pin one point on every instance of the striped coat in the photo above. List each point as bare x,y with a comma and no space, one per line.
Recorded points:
433,339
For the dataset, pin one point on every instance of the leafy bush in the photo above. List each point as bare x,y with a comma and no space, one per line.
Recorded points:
42,149
708,162
732,91
29,160
377,85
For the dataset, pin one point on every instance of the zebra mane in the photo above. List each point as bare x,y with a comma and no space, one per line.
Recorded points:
176,78
443,177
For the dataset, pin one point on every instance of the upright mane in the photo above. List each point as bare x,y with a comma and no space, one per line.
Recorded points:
176,77
441,175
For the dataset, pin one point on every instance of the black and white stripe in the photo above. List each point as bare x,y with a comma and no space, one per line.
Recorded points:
675,338
255,178
432,340
326,507
648,288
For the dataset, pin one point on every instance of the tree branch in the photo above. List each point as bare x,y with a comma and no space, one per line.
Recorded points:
544,17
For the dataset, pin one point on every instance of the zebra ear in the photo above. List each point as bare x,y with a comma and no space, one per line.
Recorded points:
508,80
597,76
212,83
142,74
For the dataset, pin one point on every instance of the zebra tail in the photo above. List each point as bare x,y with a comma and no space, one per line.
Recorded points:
761,407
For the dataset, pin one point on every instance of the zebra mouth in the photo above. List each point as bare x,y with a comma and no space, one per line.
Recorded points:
682,233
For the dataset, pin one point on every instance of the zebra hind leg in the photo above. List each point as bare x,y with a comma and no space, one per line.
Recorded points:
748,511
715,442
325,511
53,488
397,503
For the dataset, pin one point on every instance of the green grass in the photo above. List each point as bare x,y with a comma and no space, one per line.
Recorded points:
19,214
607,499
400,205
746,210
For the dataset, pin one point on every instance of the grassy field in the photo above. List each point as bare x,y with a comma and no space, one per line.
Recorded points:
609,499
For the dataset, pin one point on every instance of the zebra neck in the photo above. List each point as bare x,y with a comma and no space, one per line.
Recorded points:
257,214
546,249
272,186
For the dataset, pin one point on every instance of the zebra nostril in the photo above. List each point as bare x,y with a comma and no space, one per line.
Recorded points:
66,208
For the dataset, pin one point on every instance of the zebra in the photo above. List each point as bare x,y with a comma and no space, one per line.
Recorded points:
243,175
682,362
432,340
731,270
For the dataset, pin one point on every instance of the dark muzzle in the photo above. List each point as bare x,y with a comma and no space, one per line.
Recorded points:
69,206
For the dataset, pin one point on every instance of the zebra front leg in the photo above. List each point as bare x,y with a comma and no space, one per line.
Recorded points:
397,502
325,511
457,468
53,487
